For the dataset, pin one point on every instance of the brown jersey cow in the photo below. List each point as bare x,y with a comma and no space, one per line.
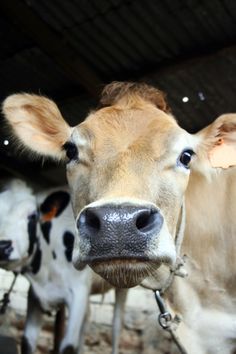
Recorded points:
131,171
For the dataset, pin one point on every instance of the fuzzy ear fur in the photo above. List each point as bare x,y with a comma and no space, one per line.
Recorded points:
37,122
218,141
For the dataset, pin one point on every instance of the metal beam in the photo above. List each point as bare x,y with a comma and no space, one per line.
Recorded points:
50,42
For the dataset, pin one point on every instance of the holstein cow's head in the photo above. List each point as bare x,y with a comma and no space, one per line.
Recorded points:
23,219
128,166
18,221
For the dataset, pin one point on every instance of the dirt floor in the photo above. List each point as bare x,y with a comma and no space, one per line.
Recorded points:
141,332
148,339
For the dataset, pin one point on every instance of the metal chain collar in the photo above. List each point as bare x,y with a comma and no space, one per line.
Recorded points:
6,296
165,319
167,322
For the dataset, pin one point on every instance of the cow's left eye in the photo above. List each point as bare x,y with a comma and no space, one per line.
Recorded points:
71,151
186,157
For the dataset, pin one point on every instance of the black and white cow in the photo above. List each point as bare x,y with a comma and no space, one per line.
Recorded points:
36,239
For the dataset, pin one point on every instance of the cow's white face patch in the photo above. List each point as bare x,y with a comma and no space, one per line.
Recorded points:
17,224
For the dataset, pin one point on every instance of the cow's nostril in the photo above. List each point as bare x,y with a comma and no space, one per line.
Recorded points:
5,249
5,244
89,222
142,220
92,220
147,220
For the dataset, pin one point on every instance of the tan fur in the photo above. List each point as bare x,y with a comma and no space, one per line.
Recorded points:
130,93
129,152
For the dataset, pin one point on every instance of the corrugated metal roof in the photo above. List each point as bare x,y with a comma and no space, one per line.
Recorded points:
208,83
128,36
31,70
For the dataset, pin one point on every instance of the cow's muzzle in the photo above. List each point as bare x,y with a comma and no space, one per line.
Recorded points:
112,233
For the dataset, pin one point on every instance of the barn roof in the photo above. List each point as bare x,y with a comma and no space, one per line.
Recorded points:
69,49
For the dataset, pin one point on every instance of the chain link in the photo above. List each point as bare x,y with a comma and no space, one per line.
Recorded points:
167,322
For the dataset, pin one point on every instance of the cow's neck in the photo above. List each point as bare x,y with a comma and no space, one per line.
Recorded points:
209,240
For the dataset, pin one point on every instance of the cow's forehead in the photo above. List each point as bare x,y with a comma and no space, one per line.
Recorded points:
114,129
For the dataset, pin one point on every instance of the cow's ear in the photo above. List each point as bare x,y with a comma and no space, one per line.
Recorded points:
38,124
54,205
218,141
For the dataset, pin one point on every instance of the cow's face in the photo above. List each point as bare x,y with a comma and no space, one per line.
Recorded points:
18,220
127,183
128,168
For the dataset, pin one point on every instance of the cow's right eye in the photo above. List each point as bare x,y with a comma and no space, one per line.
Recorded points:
71,151
186,157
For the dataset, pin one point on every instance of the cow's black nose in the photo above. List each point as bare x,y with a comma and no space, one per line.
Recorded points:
5,249
122,230
113,219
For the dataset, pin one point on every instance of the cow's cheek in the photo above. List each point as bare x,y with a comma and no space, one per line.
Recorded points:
79,189
170,199
162,247
21,248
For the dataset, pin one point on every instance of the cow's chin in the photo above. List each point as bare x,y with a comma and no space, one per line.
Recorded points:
124,273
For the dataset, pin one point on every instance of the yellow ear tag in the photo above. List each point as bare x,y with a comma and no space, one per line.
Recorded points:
223,155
